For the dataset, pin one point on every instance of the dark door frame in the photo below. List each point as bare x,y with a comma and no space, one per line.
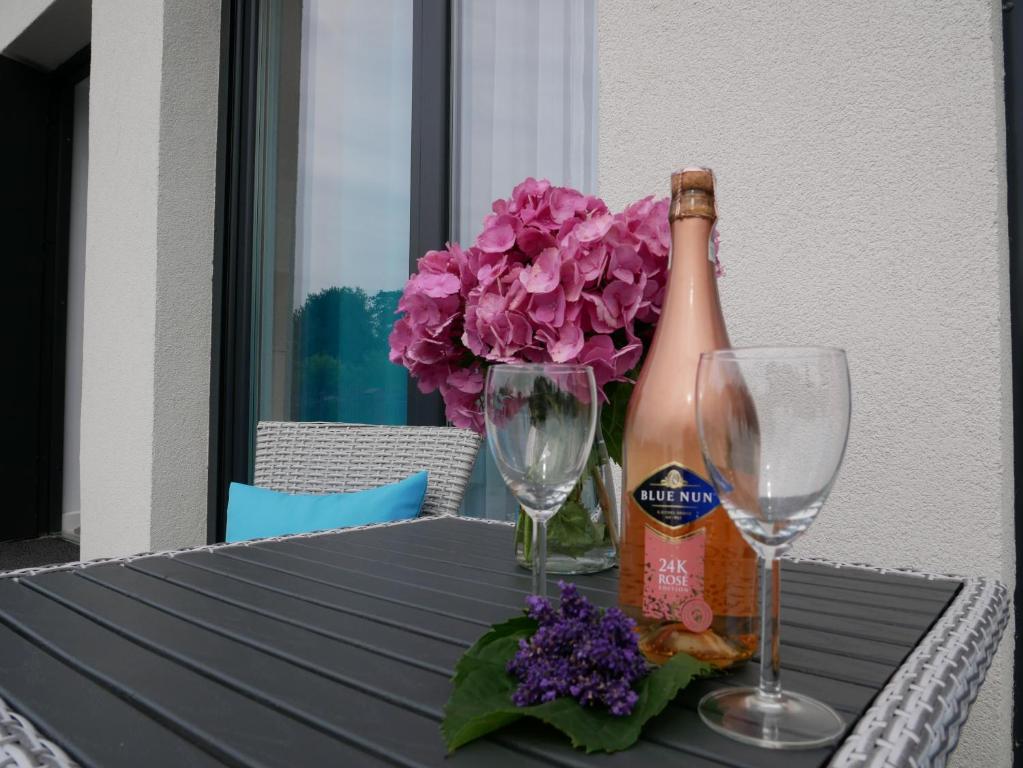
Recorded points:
232,366
60,148
1012,30
44,246
24,454
430,202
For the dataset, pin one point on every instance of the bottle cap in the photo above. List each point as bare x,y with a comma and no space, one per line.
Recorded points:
692,194
693,177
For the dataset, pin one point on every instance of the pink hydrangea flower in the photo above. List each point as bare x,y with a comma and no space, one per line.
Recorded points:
554,276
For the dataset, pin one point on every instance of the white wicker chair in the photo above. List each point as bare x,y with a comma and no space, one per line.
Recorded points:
322,457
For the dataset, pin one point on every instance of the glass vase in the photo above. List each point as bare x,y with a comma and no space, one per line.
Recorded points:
582,537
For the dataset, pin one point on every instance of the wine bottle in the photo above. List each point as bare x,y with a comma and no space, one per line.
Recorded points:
686,575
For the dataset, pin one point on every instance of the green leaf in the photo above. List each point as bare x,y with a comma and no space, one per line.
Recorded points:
485,653
524,534
571,531
612,416
481,702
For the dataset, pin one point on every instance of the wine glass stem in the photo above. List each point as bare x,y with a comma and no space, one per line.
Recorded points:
540,557
770,663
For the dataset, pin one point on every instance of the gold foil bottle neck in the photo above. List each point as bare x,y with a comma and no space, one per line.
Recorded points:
692,194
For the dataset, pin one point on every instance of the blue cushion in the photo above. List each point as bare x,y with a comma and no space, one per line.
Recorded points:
255,513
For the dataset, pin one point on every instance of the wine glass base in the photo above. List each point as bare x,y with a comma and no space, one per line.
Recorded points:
790,721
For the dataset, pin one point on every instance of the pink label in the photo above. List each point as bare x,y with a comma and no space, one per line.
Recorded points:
673,579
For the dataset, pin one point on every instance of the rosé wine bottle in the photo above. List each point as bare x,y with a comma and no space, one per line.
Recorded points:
685,574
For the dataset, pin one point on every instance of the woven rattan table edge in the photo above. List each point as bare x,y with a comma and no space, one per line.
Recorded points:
78,564
21,744
882,737
915,720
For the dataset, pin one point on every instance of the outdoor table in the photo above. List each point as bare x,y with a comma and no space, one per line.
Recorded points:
337,649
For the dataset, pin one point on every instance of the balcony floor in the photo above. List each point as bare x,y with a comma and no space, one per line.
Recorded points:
31,553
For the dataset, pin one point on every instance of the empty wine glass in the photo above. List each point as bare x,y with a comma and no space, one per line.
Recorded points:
773,424
540,425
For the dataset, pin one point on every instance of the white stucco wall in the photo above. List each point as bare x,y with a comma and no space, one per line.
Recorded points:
860,156
184,278
149,256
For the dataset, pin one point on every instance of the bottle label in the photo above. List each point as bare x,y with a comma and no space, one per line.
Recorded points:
675,496
673,579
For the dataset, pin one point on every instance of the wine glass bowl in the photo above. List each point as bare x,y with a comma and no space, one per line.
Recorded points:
773,424
540,420
776,525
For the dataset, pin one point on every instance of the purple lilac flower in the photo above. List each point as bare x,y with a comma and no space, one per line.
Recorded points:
578,651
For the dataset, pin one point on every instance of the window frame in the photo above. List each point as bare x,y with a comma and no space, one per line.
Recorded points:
232,365
1012,31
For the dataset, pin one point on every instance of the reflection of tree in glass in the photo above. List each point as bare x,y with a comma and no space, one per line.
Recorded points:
340,367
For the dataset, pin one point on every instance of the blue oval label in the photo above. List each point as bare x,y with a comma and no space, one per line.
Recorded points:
675,495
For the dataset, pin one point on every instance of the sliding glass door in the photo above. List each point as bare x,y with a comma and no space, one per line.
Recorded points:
332,220
357,136
525,105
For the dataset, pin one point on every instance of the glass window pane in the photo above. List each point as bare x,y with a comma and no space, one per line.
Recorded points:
527,102
333,172
525,88
332,226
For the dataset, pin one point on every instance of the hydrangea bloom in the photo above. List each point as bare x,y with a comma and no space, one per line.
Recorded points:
553,277
578,651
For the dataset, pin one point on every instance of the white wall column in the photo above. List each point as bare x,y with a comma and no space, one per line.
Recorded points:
149,265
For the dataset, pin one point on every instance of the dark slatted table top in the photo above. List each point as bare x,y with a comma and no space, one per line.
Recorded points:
337,650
